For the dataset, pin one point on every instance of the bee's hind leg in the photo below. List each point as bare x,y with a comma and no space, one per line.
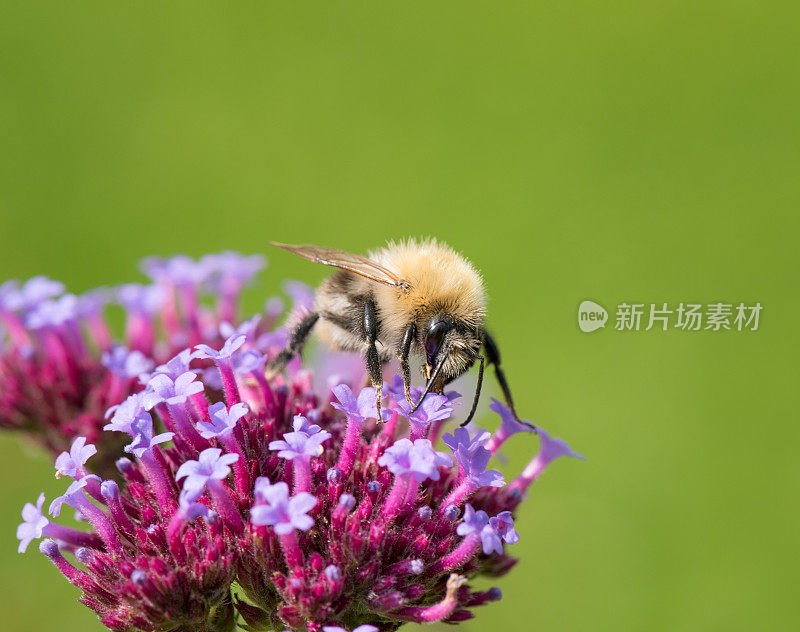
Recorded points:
297,340
374,370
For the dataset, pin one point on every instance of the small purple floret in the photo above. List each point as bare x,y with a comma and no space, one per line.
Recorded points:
223,419
33,521
418,459
305,441
230,347
126,363
275,508
161,388
71,463
211,465
357,408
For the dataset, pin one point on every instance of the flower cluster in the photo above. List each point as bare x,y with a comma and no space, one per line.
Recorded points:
61,366
324,517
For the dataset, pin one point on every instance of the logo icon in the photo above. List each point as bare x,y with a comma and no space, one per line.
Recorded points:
591,316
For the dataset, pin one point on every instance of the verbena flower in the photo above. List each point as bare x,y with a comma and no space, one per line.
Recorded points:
323,518
63,366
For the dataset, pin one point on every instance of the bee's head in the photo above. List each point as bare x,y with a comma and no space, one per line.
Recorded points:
451,343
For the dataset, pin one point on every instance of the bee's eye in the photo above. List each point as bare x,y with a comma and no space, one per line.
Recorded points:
433,340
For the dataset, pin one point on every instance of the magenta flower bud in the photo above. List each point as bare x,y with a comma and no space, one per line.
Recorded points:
451,512
83,555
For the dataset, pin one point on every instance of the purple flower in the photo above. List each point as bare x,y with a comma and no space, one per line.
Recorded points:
509,426
362,628
250,361
247,328
210,465
228,271
276,509
223,420
33,521
91,303
179,270
418,459
357,408
396,391
126,363
433,408
33,292
141,430
305,441
53,312
190,510
461,441
124,415
71,463
173,368
161,388
549,450
503,524
473,462
74,495
230,347
477,522
135,297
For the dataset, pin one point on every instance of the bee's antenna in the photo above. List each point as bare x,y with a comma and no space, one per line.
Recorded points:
477,393
432,379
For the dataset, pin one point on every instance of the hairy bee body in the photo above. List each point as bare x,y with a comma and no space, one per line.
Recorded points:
441,284
409,298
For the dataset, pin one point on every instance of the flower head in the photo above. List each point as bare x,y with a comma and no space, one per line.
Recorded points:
324,521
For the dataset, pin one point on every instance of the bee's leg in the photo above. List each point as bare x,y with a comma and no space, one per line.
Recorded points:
297,340
405,350
373,359
493,358
478,387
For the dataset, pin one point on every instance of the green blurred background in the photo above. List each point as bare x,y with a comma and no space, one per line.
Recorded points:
618,151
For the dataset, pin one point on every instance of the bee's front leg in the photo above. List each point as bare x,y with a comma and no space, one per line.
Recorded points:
372,357
405,350
493,358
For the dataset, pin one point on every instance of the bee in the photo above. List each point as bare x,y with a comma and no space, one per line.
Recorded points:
409,298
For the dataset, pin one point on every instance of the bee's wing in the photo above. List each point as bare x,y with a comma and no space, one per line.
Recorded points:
346,261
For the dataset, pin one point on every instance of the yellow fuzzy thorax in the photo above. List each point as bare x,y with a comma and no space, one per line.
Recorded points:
440,280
